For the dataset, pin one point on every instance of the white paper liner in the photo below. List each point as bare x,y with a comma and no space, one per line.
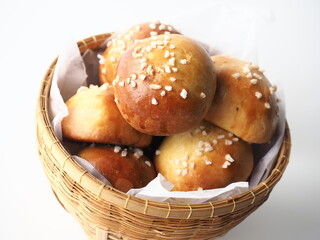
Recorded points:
68,76
73,71
159,190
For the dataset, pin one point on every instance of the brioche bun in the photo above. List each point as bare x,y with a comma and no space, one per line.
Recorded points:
205,157
117,46
244,103
94,117
165,84
123,168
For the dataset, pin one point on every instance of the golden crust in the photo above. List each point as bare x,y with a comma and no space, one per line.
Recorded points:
197,159
165,85
240,105
125,169
117,46
94,117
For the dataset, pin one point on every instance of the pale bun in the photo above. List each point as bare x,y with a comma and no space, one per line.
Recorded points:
93,116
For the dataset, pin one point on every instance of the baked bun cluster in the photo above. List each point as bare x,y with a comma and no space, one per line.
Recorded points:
165,106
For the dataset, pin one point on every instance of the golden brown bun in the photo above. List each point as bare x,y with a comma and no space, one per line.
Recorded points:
241,106
117,46
166,90
124,168
198,159
94,117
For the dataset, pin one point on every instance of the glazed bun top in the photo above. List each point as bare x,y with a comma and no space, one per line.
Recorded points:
205,157
117,46
165,84
244,103
94,117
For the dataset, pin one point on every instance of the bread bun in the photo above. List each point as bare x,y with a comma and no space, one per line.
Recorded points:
244,103
94,117
165,84
124,168
206,157
117,46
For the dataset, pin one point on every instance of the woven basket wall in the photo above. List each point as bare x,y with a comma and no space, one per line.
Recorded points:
106,213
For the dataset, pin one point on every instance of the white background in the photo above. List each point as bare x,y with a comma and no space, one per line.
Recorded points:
33,33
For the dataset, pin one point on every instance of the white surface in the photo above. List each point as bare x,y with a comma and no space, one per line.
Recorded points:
32,33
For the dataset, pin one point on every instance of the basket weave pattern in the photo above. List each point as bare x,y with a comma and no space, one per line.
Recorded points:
106,213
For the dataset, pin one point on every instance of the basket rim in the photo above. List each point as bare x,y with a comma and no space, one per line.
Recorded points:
48,141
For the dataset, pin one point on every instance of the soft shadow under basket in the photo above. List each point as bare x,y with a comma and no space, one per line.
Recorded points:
106,213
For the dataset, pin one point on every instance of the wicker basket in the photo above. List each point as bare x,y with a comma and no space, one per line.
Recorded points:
106,213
